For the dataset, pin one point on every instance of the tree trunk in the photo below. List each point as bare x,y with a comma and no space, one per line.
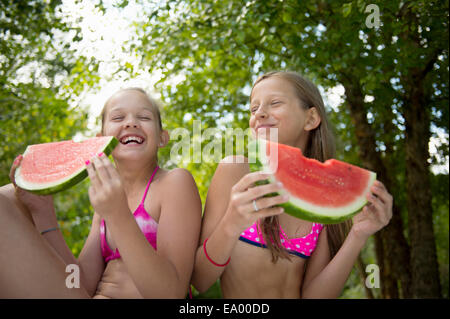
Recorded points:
424,265
392,250
362,273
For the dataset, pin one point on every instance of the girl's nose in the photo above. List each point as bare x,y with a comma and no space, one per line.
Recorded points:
261,112
131,122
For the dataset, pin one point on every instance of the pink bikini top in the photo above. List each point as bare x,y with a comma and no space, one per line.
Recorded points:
302,247
146,223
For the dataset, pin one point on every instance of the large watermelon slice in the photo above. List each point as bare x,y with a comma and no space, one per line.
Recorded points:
53,167
328,193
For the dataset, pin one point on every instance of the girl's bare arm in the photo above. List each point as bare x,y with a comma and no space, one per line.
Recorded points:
166,272
325,278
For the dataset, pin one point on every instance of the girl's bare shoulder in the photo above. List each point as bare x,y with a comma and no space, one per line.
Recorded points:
176,178
231,169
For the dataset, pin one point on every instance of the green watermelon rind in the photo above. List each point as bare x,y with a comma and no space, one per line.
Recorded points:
70,181
297,210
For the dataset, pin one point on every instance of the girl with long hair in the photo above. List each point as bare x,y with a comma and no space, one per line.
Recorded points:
256,249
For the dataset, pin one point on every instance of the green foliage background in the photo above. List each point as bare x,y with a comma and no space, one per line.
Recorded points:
40,77
218,48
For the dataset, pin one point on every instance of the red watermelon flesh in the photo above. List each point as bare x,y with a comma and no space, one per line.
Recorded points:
328,192
52,167
348,181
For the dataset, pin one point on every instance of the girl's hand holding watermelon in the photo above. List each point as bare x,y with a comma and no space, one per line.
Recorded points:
376,214
106,192
247,203
41,207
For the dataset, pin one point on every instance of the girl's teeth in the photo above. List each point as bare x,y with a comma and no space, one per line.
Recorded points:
132,138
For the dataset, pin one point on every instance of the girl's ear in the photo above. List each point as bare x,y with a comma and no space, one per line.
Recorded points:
313,119
164,138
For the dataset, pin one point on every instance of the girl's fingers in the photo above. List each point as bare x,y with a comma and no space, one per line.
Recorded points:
267,202
380,185
378,208
261,190
370,211
101,169
382,194
374,200
112,171
14,166
17,161
249,179
95,182
364,213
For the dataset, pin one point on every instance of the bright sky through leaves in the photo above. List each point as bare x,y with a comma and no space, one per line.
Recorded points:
105,36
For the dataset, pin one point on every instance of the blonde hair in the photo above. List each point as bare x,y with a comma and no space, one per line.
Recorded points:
152,101
320,146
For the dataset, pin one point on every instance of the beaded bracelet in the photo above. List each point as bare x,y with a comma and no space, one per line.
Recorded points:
212,261
48,230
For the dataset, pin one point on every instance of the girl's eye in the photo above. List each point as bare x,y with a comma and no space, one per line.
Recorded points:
253,109
145,118
275,102
117,118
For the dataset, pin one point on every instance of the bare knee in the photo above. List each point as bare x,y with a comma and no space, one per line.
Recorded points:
8,199
7,190
7,205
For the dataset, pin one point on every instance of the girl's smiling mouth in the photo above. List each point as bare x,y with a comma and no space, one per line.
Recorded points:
263,126
131,139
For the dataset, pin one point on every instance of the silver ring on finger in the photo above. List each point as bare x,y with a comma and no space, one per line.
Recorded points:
255,206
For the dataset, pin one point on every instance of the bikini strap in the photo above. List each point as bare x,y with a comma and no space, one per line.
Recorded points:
149,182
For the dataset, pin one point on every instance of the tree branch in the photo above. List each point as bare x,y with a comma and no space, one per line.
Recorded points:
429,66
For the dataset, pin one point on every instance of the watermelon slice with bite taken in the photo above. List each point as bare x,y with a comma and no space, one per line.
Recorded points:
327,193
53,167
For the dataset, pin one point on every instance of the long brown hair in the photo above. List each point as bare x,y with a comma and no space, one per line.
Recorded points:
320,146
